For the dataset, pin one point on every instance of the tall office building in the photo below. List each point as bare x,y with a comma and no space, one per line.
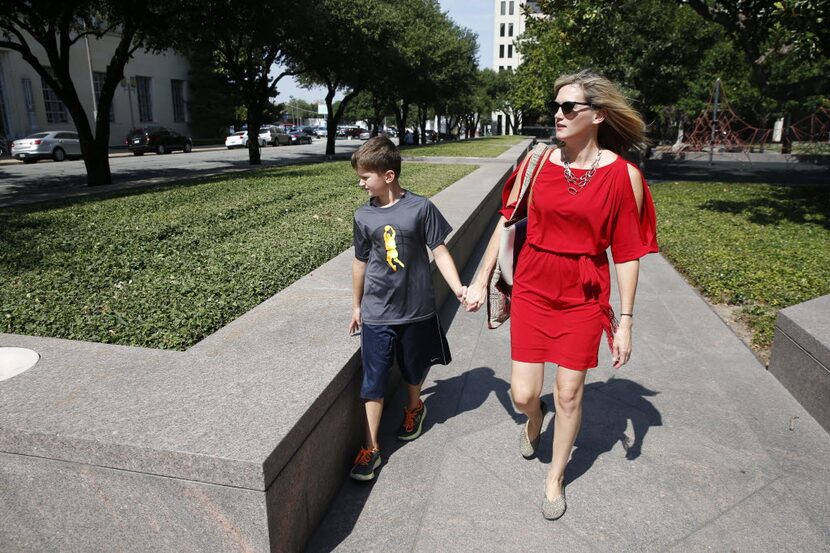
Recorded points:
508,26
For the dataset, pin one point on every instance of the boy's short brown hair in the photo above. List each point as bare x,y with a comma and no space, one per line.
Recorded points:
378,154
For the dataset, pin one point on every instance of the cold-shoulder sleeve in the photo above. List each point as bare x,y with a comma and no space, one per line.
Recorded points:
634,234
507,209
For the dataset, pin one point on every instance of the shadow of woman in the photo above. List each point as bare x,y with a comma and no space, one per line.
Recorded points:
468,391
607,409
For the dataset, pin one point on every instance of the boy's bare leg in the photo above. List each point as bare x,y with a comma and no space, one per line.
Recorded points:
414,396
374,410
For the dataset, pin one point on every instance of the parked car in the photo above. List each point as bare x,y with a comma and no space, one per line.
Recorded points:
366,135
299,137
239,139
57,145
274,135
310,131
350,132
157,139
321,132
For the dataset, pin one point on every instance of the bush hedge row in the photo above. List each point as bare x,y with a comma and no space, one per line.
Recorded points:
761,247
167,267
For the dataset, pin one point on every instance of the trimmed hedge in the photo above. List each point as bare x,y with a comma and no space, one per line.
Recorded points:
167,267
491,146
759,246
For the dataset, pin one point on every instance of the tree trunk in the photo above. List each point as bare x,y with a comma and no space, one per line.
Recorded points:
254,122
331,121
401,114
334,117
422,123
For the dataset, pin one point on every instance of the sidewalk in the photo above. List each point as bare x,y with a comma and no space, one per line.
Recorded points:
692,446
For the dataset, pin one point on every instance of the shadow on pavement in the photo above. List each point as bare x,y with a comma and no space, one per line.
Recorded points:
608,407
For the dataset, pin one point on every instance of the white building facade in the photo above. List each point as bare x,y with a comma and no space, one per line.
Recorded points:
155,91
508,26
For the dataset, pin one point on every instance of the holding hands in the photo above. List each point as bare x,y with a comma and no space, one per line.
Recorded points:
475,297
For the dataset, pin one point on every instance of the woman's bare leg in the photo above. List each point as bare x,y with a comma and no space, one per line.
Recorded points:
526,382
567,395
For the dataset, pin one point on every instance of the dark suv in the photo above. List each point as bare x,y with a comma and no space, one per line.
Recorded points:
156,139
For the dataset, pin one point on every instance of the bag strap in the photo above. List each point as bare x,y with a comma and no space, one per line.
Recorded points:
532,169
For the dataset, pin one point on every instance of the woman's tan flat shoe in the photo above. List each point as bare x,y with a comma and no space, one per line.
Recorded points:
552,510
526,446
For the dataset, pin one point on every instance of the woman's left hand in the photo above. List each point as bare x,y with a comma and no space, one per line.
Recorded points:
622,343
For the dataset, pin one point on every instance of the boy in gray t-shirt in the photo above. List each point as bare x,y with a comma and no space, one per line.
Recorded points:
393,304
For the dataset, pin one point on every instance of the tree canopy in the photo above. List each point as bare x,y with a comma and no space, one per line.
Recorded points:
771,55
56,26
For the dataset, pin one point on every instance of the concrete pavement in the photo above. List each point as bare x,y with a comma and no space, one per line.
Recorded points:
692,446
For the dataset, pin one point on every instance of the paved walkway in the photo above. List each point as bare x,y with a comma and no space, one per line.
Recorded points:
692,446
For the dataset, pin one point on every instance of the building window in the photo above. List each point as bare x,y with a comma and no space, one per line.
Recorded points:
503,6
29,104
509,29
501,29
510,11
509,50
145,101
4,119
55,109
177,93
98,78
501,68
501,50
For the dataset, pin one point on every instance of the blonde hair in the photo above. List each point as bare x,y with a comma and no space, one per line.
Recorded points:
623,128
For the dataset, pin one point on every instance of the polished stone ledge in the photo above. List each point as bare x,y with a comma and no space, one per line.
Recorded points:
801,355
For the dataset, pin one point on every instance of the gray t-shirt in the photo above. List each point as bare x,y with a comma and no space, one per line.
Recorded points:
393,242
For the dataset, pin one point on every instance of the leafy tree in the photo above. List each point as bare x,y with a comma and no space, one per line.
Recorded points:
371,107
297,109
334,51
786,43
212,100
246,41
648,46
55,27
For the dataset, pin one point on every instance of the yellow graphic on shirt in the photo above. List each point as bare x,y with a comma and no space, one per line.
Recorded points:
391,248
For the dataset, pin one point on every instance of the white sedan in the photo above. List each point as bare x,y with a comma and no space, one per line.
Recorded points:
240,140
57,145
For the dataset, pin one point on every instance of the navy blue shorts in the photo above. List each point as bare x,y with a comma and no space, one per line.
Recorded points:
416,346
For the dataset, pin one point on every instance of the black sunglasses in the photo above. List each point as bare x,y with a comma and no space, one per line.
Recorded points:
568,107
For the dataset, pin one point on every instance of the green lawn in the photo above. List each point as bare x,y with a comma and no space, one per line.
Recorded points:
758,246
165,268
491,146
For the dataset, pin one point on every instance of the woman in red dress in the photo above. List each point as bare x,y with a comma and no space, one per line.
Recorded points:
586,198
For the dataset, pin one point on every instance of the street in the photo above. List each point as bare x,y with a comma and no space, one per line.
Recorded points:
22,183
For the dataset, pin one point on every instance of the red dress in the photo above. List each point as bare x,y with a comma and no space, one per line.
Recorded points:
562,284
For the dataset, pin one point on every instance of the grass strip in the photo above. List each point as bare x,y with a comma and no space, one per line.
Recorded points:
758,246
167,267
491,146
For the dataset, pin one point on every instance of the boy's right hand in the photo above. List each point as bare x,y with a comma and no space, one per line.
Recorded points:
354,324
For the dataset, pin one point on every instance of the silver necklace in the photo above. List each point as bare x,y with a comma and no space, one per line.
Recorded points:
575,185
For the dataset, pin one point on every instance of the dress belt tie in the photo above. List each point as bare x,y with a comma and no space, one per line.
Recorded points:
591,283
